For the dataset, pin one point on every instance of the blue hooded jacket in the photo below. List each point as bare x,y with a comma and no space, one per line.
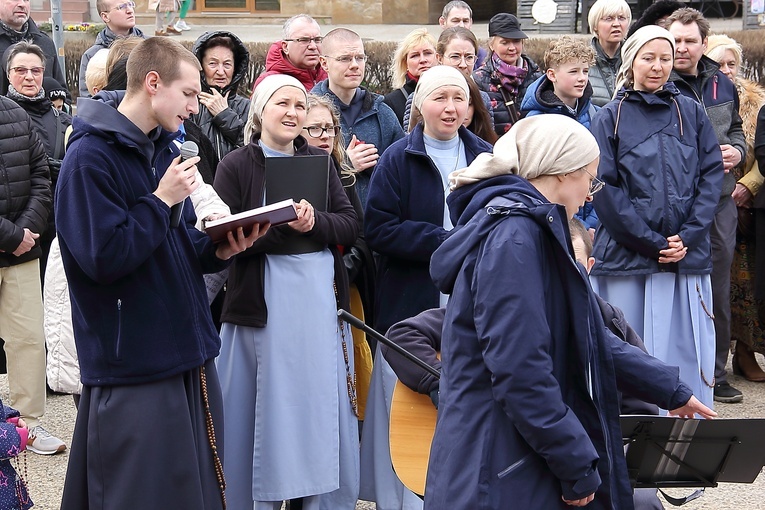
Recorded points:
662,168
139,304
540,98
523,336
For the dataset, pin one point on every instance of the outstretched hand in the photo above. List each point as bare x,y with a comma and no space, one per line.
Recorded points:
691,408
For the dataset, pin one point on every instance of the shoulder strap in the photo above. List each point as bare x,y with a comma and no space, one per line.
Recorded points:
59,134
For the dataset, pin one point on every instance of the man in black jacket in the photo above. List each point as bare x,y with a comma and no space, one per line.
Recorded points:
25,203
699,77
16,25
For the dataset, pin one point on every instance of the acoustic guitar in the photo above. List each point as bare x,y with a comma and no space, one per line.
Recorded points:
412,424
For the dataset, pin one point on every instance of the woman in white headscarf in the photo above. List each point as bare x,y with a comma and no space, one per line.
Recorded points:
662,169
286,363
528,410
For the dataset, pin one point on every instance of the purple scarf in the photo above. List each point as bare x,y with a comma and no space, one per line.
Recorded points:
509,76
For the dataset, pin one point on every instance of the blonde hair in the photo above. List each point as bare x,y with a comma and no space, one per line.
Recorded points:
604,8
566,49
95,74
718,44
338,150
413,39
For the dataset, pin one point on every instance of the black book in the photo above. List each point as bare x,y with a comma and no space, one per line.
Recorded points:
298,178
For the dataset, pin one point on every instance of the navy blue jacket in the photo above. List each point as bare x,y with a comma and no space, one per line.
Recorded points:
540,98
662,170
403,222
139,304
523,336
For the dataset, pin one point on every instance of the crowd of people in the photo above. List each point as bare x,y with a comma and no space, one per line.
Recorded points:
564,242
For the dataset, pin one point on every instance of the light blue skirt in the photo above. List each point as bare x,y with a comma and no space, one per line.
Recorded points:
672,314
289,428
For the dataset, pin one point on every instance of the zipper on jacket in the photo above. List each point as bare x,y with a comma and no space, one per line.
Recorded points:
512,467
119,329
714,88
667,226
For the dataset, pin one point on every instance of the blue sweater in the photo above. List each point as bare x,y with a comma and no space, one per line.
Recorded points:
139,305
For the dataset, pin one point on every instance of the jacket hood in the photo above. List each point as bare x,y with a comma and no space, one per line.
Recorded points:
540,96
241,59
278,63
99,116
477,208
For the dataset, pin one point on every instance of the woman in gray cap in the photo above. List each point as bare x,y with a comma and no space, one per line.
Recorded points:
507,72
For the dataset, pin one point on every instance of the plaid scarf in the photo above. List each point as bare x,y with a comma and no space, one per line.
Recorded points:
510,77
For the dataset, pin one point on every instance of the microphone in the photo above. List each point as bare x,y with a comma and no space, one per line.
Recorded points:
189,149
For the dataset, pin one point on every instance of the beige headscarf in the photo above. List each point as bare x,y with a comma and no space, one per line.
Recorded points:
631,47
262,94
548,144
435,78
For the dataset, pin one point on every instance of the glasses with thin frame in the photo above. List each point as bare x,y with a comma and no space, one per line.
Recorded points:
456,58
347,59
610,19
318,131
596,184
124,6
305,41
22,71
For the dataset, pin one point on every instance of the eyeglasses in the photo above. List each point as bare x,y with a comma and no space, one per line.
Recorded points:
22,71
596,184
456,58
318,132
305,41
347,59
611,19
124,6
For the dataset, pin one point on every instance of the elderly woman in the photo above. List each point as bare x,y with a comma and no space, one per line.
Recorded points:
507,72
286,363
529,372
25,65
608,20
222,112
415,54
652,249
746,327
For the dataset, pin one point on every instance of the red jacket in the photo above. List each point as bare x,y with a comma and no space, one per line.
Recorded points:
277,63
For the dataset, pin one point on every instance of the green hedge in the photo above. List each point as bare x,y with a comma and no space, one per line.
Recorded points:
378,75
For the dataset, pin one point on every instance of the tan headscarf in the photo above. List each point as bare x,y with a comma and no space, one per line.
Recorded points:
548,144
631,47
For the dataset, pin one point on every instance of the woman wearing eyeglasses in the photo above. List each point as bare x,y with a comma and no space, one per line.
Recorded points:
457,47
608,20
415,54
26,67
662,168
222,111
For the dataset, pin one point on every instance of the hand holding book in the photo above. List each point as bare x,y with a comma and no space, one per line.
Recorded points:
305,217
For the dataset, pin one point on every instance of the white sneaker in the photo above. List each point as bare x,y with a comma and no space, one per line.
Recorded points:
43,442
181,25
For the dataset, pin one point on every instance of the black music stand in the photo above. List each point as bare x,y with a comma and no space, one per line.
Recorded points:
665,452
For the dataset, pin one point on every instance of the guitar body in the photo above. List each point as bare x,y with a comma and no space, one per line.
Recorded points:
412,425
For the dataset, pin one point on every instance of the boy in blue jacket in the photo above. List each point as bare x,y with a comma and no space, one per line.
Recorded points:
565,89
148,426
